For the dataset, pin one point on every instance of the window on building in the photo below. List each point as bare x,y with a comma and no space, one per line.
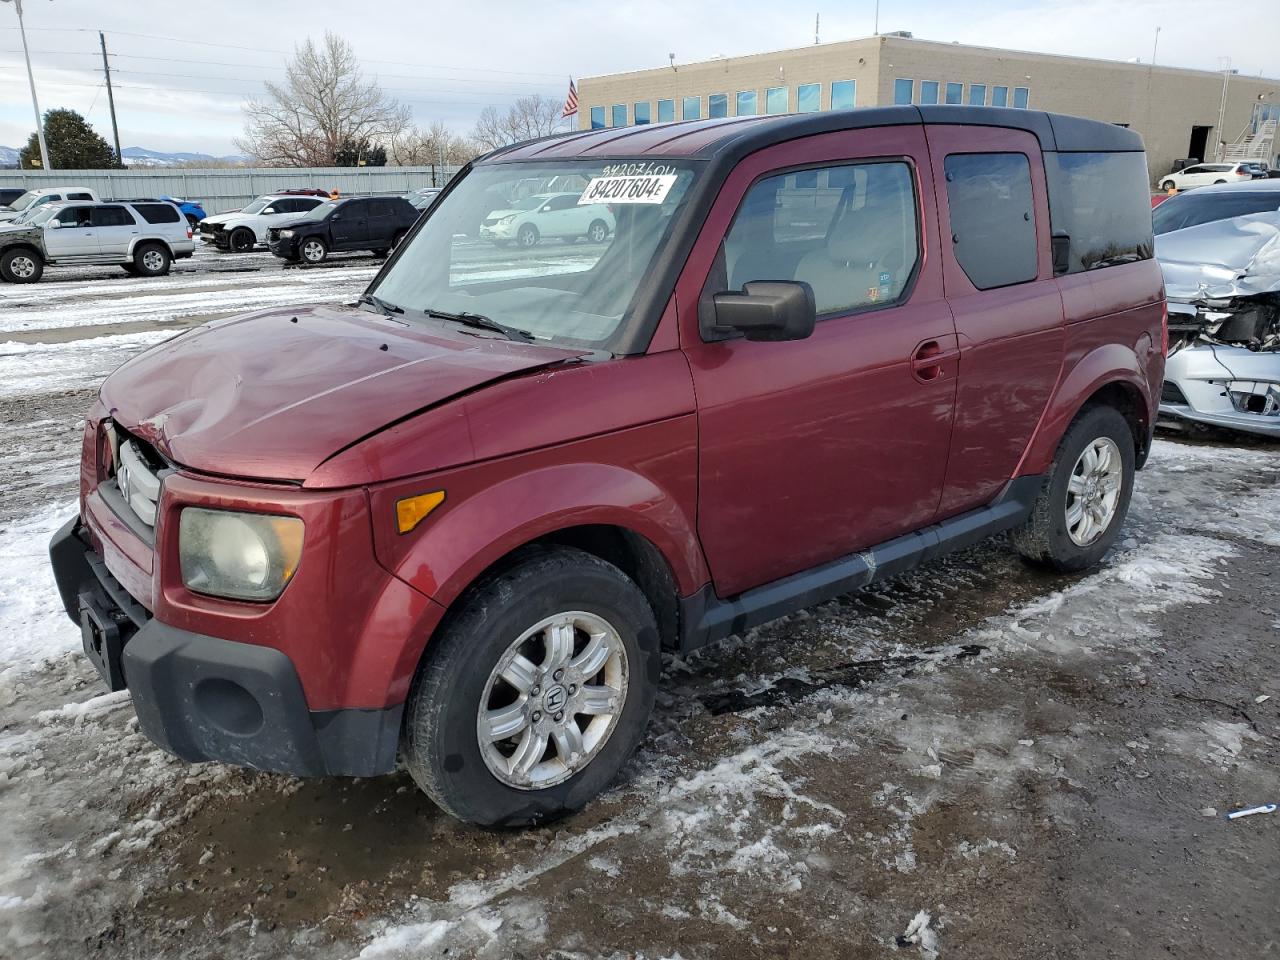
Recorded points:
776,100
809,97
929,91
903,90
691,109
640,112
993,223
718,105
844,94
1099,201
746,103
955,93
977,94
666,111
848,231
999,96
1021,97
618,115
597,118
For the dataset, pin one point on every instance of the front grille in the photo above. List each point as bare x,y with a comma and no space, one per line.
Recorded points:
139,484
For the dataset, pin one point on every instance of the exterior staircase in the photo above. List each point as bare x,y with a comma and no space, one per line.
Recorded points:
1258,145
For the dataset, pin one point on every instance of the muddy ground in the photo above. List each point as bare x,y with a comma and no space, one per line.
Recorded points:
975,760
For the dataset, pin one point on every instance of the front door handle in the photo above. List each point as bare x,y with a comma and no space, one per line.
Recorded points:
931,360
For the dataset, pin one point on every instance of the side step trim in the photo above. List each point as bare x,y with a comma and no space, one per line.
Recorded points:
705,618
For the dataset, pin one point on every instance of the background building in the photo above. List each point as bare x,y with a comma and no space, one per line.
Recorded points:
1180,113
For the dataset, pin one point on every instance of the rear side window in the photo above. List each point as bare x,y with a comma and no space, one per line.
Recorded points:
111,217
306,203
158,212
1101,202
379,208
993,222
850,232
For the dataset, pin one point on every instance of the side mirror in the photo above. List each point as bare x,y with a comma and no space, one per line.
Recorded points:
53,225
768,310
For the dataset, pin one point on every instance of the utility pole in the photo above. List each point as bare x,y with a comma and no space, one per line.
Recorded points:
111,100
31,79
1222,109
877,24
1155,46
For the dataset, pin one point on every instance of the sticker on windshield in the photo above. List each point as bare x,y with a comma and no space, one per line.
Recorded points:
651,189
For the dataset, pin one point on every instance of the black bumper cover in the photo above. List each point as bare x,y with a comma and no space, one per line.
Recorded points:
204,698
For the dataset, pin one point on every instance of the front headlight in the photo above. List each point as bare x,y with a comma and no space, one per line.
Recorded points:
508,219
242,556
286,233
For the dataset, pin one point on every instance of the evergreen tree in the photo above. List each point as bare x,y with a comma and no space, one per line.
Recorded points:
72,143
350,153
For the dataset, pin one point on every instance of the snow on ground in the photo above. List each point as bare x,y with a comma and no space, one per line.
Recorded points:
35,624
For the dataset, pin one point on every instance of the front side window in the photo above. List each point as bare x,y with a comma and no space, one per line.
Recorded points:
746,105
1021,97
955,92
68,216
999,96
903,90
597,118
848,231
843,94
977,94
809,97
487,248
691,109
929,91
641,112
618,115
993,222
776,100
666,111
1101,202
718,105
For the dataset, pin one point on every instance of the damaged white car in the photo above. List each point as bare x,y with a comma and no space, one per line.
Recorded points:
1222,280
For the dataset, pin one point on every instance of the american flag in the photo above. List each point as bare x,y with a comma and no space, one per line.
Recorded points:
571,101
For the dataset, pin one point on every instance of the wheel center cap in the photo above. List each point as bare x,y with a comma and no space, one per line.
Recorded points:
555,698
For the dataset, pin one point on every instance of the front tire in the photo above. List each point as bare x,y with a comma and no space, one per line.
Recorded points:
598,232
527,235
21,266
536,692
1082,503
313,250
242,240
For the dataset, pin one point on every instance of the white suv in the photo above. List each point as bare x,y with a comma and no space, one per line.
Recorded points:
1203,174
242,230
142,236
548,215
32,199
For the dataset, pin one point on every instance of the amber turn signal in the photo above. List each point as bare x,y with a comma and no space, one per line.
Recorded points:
411,511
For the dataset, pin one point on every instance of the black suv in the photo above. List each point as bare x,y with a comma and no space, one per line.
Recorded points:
358,223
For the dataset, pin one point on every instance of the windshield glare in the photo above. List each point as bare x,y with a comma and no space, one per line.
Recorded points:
254,207
321,210
23,201
40,216
566,274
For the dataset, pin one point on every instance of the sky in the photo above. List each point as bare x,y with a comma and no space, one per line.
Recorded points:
183,70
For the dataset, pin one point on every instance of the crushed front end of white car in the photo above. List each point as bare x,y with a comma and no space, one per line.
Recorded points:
1222,281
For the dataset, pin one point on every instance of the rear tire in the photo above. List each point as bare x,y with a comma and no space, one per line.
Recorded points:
1075,519
511,624
152,260
21,265
242,240
1216,182
1168,185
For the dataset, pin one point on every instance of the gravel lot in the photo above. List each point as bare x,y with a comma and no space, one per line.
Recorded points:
975,760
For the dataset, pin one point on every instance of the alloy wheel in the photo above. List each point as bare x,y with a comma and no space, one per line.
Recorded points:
313,251
22,267
153,261
1093,492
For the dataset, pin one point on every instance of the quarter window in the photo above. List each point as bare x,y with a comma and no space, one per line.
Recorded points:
809,97
993,224
977,94
929,91
999,96
1100,202
666,111
158,212
903,90
746,105
641,112
776,100
1021,97
597,118
718,105
848,231
618,115
843,94
692,108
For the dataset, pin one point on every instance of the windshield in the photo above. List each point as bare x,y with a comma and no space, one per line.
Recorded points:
39,216
1192,209
565,270
255,206
23,201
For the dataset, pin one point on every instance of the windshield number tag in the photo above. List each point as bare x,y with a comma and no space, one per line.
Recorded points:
644,189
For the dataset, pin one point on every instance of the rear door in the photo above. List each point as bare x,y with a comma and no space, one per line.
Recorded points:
349,224
813,449
116,229
998,275
382,223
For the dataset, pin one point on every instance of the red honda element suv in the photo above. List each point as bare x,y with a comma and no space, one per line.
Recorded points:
457,521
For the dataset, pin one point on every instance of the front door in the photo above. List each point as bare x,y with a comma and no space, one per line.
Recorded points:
74,238
350,224
814,449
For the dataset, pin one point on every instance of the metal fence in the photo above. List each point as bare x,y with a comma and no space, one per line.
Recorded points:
219,190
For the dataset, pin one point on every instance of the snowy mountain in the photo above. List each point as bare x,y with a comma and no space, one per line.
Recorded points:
142,157
8,157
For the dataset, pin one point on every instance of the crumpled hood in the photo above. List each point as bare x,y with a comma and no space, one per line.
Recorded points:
272,395
1239,257
226,217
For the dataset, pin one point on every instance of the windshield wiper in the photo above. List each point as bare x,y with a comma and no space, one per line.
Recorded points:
383,305
481,322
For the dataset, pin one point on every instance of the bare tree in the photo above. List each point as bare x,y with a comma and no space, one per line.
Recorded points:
324,101
436,144
526,119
